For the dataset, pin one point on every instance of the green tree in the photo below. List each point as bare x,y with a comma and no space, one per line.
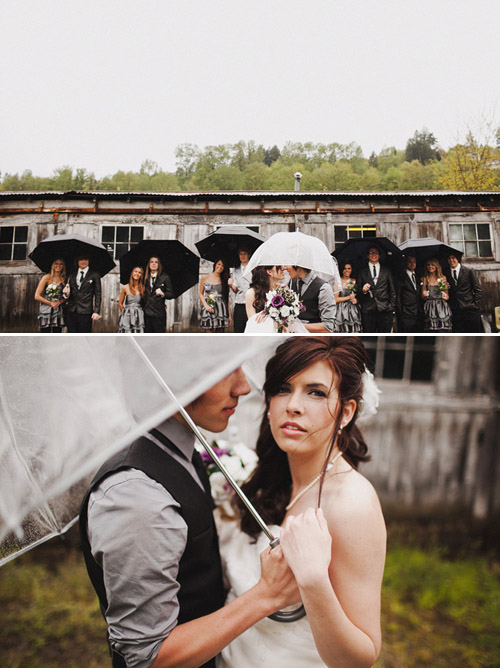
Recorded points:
422,147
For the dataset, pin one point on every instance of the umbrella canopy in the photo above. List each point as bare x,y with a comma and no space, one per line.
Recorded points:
69,247
225,242
296,249
355,251
180,263
107,396
427,247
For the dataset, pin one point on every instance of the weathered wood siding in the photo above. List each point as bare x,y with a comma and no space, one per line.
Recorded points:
190,217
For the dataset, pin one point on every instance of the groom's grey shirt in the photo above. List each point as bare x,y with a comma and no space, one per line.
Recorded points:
138,537
326,301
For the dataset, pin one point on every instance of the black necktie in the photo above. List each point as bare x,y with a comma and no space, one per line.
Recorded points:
301,285
374,271
199,466
80,279
413,280
455,277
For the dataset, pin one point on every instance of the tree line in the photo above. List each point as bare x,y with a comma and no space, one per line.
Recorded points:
473,164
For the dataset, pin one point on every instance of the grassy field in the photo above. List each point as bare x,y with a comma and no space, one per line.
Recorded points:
441,606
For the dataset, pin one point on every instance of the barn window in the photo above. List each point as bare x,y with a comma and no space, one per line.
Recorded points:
407,358
13,242
473,239
345,232
119,239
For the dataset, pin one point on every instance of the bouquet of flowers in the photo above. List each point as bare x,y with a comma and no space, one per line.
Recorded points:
53,291
238,459
351,286
210,299
443,284
283,306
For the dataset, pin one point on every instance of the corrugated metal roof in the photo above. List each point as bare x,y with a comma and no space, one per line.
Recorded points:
321,194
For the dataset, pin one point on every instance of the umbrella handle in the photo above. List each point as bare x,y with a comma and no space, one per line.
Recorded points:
286,616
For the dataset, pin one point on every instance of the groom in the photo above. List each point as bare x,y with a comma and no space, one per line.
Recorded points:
151,550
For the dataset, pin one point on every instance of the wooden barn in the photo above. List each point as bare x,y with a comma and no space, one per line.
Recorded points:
465,220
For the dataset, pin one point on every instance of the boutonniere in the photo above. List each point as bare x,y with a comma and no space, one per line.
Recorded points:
91,281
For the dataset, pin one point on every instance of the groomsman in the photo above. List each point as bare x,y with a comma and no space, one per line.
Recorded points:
84,302
239,284
376,294
157,288
465,297
409,308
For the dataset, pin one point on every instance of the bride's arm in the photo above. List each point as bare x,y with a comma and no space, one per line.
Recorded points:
249,299
340,578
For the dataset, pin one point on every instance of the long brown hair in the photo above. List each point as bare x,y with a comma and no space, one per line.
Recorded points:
147,273
260,284
269,487
439,271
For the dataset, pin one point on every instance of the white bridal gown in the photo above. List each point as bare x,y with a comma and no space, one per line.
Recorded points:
267,643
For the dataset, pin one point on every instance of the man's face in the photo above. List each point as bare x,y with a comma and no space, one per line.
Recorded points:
373,255
244,257
83,262
292,272
213,409
411,264
453,261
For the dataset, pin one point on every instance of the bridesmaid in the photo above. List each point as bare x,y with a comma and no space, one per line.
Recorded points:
215,315
437,311
348,315
50,295
130,304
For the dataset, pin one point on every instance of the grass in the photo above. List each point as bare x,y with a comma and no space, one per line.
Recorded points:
441,608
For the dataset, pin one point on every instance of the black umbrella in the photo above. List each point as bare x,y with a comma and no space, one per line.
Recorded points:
181,264
355,251
69,247
225,242
427,247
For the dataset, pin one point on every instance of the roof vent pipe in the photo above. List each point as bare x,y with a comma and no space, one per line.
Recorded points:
297,177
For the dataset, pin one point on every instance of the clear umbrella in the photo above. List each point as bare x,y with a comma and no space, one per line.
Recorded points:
296,249
68,404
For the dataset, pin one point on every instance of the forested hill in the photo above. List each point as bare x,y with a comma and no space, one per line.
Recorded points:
422,165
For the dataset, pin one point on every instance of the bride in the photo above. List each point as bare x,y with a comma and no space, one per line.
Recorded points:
264,279
332,529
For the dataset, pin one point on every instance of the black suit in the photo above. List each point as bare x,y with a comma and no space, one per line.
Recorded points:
378,304
409,307
155,314
83,301
465,300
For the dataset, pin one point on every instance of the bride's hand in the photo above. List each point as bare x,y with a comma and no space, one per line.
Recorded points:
307,546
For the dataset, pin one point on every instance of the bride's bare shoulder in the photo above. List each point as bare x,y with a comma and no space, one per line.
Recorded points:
349,496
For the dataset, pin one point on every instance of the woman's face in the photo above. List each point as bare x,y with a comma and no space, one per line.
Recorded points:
219,267
431,267
277,273
153,264
302,414
58,266
137,273
347,271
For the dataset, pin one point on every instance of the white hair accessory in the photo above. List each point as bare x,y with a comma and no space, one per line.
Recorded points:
370,399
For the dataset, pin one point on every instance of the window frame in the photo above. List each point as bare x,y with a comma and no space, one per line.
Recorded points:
16,244
461,245
114,243
409,346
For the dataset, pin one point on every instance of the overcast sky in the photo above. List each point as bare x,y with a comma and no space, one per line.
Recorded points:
106,84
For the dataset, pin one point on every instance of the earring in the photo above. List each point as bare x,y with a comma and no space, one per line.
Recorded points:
268,414
339,432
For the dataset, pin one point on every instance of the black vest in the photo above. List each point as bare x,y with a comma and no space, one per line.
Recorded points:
310,299
200,573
